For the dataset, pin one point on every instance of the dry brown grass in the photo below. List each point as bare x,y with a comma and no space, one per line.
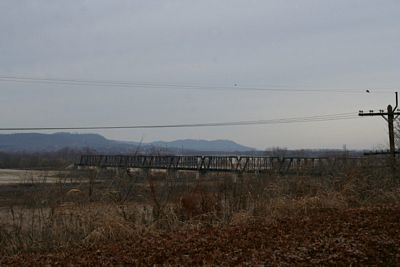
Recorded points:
54,219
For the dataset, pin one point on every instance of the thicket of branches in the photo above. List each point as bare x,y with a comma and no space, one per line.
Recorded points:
39,160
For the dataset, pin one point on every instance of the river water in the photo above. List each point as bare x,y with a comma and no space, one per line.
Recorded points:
11,176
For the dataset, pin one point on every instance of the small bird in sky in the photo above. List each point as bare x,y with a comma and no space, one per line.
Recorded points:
367,91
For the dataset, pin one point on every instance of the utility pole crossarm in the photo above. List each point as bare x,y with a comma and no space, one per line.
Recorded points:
361,113
372,114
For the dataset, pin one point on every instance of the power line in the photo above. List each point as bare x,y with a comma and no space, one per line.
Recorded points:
317,118
153,85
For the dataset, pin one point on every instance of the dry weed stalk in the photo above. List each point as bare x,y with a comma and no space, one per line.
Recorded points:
50,218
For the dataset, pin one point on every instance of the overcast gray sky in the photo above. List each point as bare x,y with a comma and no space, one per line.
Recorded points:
322,44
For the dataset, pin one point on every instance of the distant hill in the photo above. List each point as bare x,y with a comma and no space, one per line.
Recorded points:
36,142
204,145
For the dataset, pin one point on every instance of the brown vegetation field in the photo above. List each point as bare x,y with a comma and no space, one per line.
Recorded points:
112,218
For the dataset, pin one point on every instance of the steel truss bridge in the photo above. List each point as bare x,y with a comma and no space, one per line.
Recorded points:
233,164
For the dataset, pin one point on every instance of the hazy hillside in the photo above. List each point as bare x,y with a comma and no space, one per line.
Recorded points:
35,142
204,145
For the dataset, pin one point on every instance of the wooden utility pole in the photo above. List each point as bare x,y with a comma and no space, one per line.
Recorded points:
390,115
390,120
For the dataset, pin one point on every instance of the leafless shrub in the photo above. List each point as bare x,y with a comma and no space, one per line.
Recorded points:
54,216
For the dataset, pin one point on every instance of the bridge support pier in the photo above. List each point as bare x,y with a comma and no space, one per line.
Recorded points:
172,174
200,175
92,179
145,173
236,176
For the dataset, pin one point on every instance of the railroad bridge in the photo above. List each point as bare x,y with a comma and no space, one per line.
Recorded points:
232,164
